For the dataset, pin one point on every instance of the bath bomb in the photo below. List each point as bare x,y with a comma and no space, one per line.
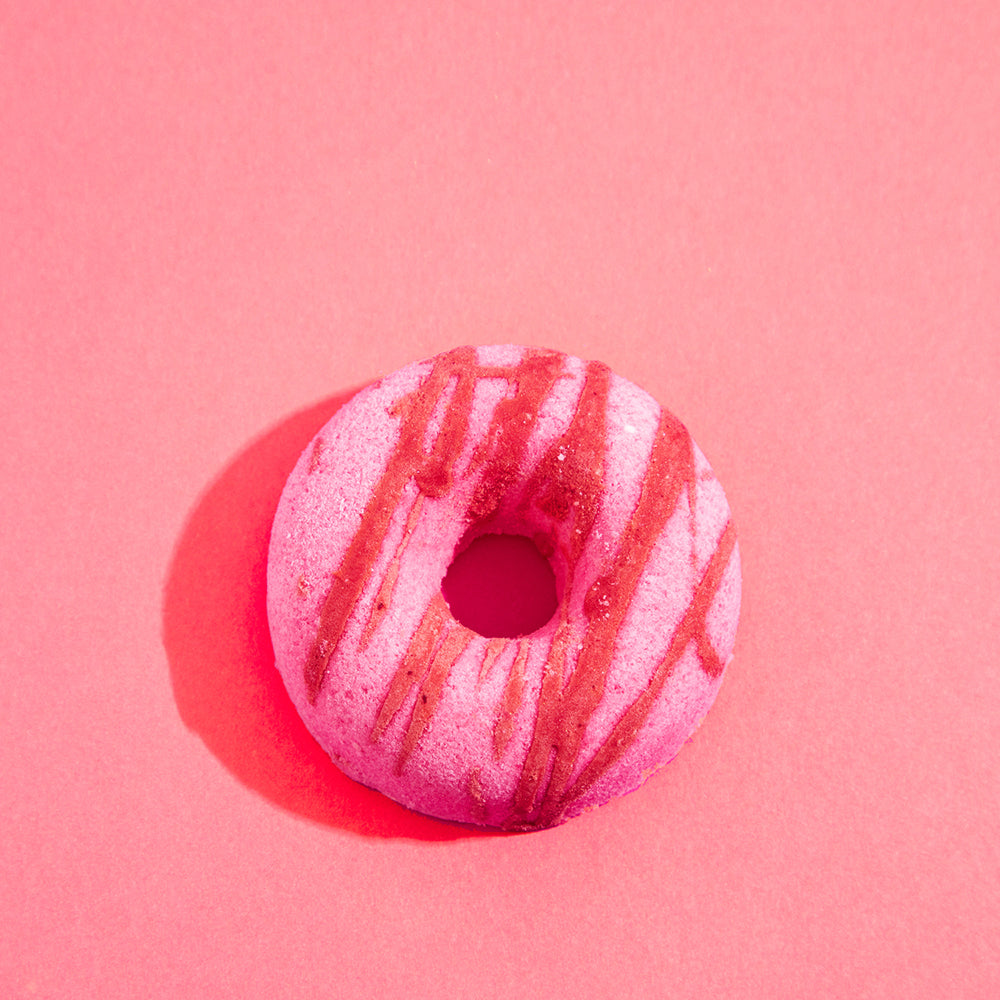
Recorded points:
516,732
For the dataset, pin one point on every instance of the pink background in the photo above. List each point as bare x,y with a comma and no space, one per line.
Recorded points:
218,221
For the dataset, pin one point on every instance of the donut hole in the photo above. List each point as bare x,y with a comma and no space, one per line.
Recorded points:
500,585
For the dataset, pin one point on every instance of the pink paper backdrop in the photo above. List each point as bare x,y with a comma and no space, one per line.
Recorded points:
218,221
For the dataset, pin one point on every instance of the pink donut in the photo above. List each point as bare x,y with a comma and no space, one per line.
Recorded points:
523,732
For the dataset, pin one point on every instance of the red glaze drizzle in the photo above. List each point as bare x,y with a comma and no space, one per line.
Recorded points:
407,460
546,725
568,482
380,606
449,650
513,692
475,789
671,468
316,455
415,662
568,487
690,629
493,649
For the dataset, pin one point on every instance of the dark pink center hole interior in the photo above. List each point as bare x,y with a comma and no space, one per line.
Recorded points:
501,585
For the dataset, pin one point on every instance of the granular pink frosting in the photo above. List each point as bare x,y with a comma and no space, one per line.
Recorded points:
523,732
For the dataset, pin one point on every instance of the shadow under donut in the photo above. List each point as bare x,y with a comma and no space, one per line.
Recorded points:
218,645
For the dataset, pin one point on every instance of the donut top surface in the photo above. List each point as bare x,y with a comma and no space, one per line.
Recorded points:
519,732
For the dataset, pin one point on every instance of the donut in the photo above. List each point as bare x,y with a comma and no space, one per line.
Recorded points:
515,732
